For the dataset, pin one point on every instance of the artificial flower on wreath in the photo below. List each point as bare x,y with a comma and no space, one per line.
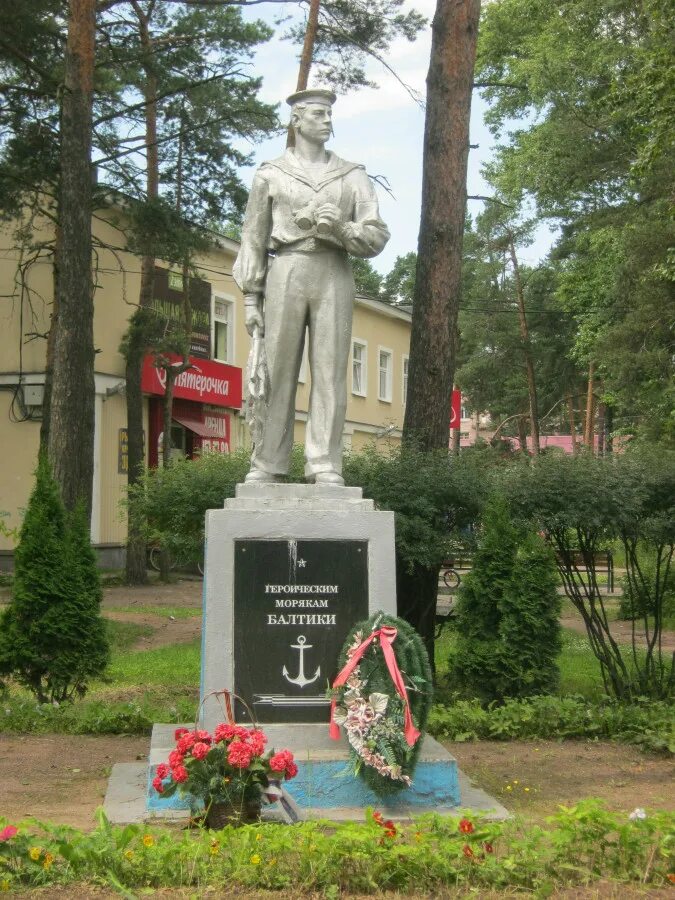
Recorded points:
229,766
382,699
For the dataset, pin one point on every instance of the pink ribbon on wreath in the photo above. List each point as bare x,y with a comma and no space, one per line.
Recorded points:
387,635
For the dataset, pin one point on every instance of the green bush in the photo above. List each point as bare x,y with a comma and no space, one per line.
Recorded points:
52,637
636,598
173,501
582,844
18,715
508,632
433,496
648,724
584,505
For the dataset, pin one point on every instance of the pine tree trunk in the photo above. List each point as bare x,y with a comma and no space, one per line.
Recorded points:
573,426
527,350
521,422
49,360
417,596
446,149
136,556
590,408
72,399
136,571
306,56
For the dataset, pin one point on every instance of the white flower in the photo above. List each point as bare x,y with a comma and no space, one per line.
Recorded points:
340,715
378,702
638,813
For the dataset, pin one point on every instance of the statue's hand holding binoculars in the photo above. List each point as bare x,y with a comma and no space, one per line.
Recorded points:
327,217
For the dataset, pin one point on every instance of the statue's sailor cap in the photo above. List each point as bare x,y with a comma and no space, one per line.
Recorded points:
312,95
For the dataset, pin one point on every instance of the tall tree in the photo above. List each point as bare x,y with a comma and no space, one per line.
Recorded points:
399,284
338,36
71,402
593,146
497,361
187,101
437,283
439,258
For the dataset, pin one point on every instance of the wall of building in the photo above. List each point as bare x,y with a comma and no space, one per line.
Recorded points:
26,310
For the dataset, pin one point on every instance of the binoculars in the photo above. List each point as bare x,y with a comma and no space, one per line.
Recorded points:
306,217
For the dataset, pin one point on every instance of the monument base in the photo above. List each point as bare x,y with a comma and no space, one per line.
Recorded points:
290,568
325,787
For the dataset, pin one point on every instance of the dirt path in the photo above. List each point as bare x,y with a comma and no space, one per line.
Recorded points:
534,777
60,777
184,593
621,631
63,778
167,630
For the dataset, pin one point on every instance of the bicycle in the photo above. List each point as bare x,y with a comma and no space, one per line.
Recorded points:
154,558
451,578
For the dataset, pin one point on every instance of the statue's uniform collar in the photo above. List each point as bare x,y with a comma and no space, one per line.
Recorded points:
335,168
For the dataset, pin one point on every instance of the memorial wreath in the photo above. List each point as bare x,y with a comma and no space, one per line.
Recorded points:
382,697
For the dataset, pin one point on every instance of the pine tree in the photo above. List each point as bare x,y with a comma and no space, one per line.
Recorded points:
508,614
476,664
52,638
529,631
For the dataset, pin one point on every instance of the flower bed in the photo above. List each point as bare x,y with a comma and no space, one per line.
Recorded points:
582,844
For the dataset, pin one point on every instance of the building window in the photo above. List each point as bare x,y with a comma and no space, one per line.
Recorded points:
385,367
223,329
359,367
405,380
464,414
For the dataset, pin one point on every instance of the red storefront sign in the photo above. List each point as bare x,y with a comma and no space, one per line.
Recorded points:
206,381
456,409
211,428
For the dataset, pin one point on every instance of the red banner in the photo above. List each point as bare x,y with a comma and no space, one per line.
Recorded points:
206,381
456,409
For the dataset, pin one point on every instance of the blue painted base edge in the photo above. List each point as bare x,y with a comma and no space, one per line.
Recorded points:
329,784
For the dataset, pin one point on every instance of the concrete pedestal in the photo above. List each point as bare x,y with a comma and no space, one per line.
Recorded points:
303,608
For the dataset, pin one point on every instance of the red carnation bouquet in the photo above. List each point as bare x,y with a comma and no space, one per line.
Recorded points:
227,769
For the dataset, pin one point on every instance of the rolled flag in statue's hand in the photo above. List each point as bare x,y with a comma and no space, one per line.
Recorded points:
257,388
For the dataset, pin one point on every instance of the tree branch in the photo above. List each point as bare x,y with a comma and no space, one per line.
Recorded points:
489,200
505,84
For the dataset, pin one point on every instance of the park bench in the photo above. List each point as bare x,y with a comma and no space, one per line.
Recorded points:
603,563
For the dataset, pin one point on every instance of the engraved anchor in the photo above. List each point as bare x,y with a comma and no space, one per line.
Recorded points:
300,680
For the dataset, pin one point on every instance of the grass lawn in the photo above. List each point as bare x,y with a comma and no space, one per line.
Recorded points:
175,666
579,669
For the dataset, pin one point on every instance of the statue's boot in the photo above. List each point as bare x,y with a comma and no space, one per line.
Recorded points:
259,476
329,478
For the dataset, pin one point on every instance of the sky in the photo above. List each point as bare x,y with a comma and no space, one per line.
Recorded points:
382,128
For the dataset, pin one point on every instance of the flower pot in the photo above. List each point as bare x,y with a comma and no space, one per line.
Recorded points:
219,815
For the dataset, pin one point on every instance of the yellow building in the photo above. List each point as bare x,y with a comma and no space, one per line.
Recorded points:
207,408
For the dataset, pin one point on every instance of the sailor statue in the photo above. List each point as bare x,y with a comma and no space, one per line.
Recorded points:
307,211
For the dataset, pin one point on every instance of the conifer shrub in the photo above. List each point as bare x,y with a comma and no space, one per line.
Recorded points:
507,614
52,637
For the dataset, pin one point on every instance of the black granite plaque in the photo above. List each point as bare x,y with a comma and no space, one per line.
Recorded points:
294,604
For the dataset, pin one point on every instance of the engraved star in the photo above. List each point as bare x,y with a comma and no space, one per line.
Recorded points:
302,563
